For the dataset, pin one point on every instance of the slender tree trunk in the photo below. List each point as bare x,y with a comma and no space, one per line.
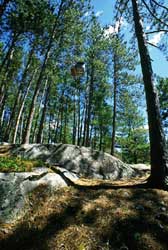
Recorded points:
40,78
74,121
4,87
8,56
114,107
38,112
101,138
8,75
56,127
90,135
58,117
65,122
49,127
41,126
3,92
20,111
3,100
4,95
36,92
61,124
82,125
21,128
2,118
32,107
2,112
87,143
18,96
159,162
55,117
79,117
95,137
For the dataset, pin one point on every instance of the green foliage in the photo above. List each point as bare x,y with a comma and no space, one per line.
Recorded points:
162,87
132,137
135,147
28,27
16,164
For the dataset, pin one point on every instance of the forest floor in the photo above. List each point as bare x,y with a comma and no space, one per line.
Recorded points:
98,217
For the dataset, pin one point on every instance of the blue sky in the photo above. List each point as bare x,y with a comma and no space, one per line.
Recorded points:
105,8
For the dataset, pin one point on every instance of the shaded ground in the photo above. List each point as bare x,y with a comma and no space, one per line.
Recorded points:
90,219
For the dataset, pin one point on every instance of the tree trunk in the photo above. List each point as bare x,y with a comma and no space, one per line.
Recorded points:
74,121
38,84
41,126
56,127
114,107
18,96
65,122
58,117
82,125
36,92
79,116
87,143
38,112
21,108
9,77
101,137
159,163
49,128
9,53
21,128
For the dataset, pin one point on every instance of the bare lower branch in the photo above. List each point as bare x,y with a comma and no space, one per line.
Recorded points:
152,14
160,5
156,31
153,45
118,11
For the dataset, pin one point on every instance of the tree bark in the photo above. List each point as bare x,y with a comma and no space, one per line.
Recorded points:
79,114
101,137
38,112
18,96
114,107
8,55
36,91
38,84
74,121
65,122
159,162
21,108
87,142
41,126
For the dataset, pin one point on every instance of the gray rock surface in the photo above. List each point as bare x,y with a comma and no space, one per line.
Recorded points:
72,161
80,160
141,167
14,188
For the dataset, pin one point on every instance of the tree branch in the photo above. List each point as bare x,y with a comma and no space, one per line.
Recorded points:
153,45
160,5
152,14
156,31
118,11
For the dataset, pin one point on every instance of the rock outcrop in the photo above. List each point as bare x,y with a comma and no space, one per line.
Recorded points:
79,160
71,162
14,188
